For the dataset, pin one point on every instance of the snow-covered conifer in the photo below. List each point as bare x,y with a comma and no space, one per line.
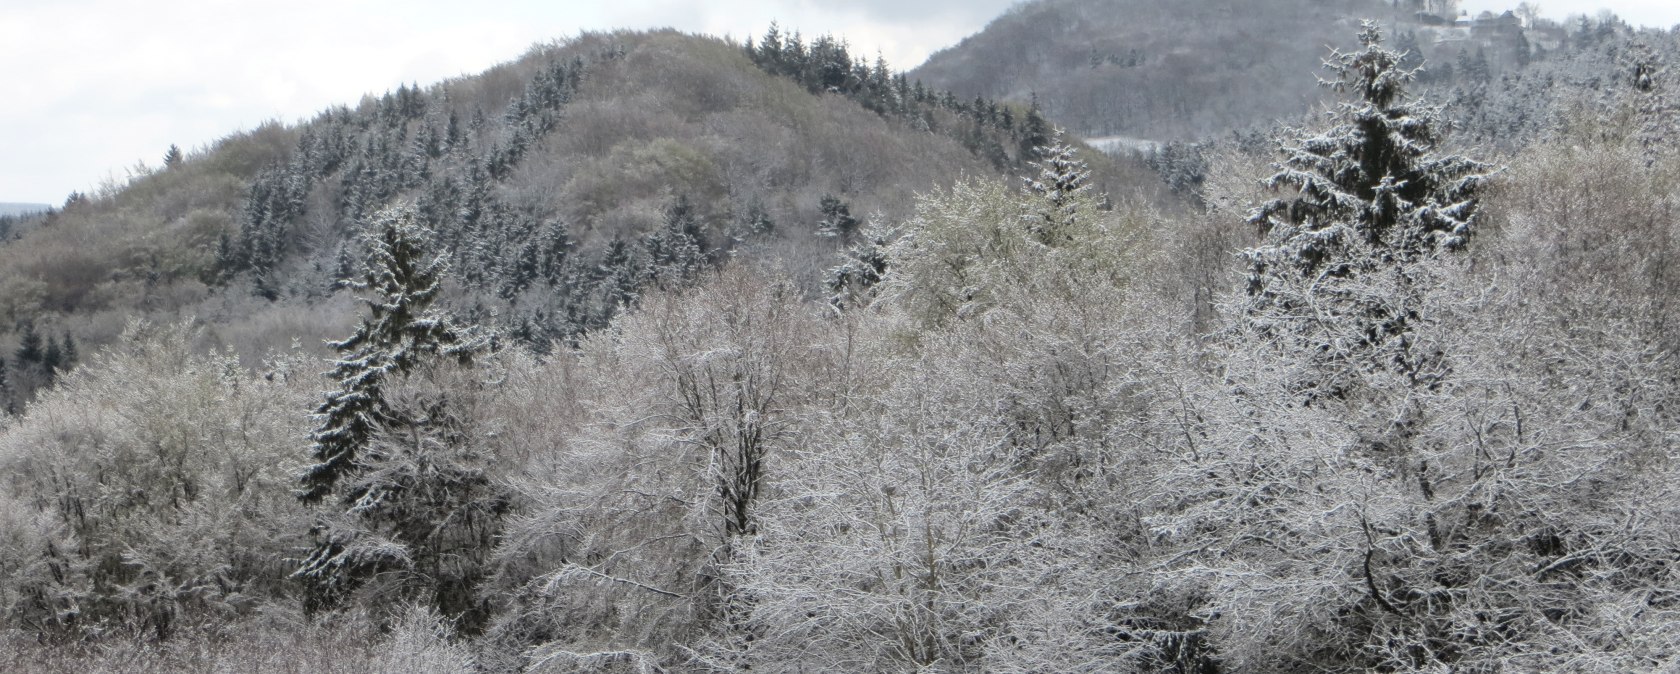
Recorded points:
676,253
837,220
420,510
400,330
1367,198
863,265
1060,185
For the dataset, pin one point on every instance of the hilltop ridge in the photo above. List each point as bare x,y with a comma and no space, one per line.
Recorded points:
559,185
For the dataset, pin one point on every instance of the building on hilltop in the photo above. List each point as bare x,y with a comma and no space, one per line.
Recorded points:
1488,26
1436,7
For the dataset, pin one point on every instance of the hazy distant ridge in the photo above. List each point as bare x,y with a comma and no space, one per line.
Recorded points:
22,209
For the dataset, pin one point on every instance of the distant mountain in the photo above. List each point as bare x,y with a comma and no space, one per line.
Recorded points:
1153,70
22,209
1136,73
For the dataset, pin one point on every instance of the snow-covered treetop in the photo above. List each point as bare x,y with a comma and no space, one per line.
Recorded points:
1062,181
1374,174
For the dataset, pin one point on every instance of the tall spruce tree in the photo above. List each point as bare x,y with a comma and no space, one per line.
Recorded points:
400,331
30,348
1035,132
418,511
173,157
67,353
52,359
1365,200
1061,185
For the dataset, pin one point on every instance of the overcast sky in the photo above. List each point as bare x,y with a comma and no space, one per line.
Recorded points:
94,86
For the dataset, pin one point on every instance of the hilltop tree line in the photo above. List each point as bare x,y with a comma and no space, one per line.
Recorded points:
986,127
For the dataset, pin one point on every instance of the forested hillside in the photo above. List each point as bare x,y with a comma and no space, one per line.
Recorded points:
1161,71
661,353
560,185
1197,70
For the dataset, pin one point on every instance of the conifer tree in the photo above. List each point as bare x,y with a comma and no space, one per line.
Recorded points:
616,280
344,269
452,133
67,353
52,359
1061,185
419,512
676,254
864,264
400,331
1034,132
526,268
30,350
837,220
1366,199
556,249
173,157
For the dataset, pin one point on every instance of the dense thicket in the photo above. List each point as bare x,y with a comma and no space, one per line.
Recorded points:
1423,420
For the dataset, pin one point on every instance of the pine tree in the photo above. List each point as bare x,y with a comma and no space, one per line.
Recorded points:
616,280
1061,185
837,220
419,511
52,359
30,351
173,157
1034,131
452,134
525,270
864,264
344,269
676,253
1368,198
68,355
400,331
557,248
769,53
